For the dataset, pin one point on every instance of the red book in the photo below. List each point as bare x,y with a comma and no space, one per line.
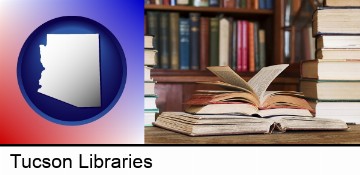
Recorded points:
166,2
229,3
204,42
245,46
239,47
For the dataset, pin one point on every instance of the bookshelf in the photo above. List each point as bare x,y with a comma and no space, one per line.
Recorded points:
174,87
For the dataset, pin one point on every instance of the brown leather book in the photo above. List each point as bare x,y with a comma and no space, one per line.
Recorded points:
204,42
251,47
229,3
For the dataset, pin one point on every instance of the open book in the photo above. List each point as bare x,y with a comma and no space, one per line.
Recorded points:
202,125
248,98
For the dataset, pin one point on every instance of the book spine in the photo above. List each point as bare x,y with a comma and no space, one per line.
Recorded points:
238,4
255,4
251,45
204,42
200,3
174,40
262,48
173,2
184,39
234,45
229,4
182,2
245,46
249,4
164,41
230,37
214,41
152,29
224,42
239,47
214,3
262,4
244,4
256,46
166,2
269,4
194,40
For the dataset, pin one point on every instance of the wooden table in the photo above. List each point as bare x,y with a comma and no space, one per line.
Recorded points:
155,135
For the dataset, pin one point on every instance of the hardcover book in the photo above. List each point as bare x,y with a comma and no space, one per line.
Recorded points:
203,125
194,40
336,21
331,69
184,39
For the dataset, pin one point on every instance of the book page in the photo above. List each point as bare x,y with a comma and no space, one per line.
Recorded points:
261,81
227,75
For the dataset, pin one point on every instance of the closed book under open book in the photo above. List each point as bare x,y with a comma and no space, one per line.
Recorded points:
202,125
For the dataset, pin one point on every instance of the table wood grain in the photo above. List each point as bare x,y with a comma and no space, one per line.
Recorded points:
155,135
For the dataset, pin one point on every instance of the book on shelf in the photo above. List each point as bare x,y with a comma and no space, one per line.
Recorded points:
341,3
248,98
338,42
224,41
229,3
150,57
336,54
330,69
164,40
214,41
333,90
203,125
249,4
214,3
204,42
200,3
184,46
182,2
174,40
347,111
197,42
194,40
328,20
149,88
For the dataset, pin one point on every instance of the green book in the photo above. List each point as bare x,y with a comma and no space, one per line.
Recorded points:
214,41
164,49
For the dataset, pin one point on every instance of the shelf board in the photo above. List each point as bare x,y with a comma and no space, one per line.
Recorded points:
209,10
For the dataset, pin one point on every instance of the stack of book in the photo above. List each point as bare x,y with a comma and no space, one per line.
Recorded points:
247,4
197,42
332,81
245,107
150,97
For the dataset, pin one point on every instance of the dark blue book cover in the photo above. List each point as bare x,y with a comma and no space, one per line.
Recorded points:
194,41
184,38
214,3
262,4
269,4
